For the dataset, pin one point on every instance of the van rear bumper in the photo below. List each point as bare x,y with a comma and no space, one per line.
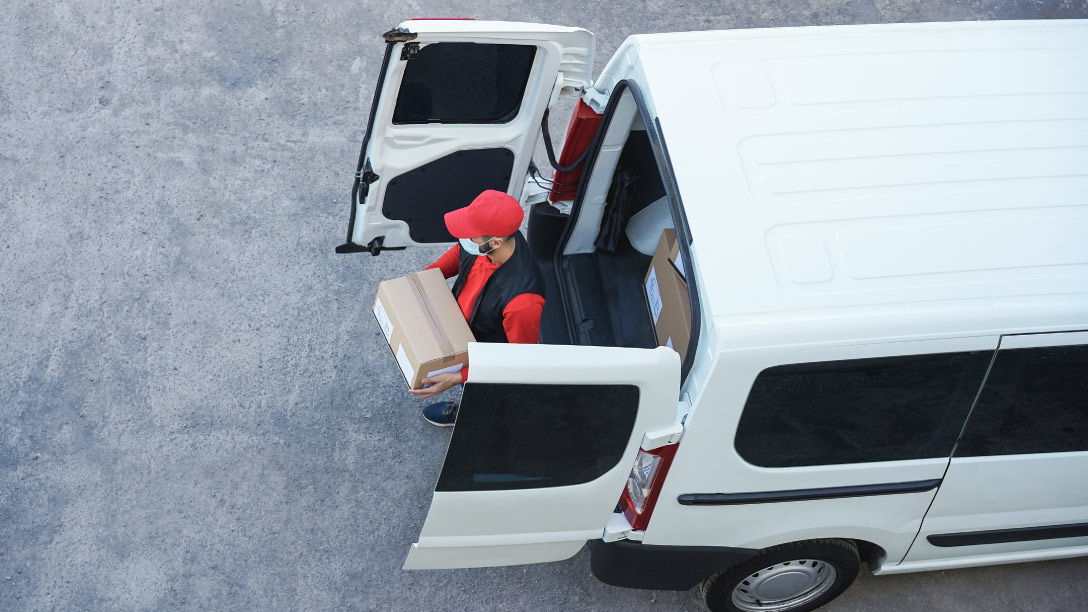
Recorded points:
665,568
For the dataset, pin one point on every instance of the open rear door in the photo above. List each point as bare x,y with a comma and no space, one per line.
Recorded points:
545,440
456,112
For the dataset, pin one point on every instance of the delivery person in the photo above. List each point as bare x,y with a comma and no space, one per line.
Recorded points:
499,287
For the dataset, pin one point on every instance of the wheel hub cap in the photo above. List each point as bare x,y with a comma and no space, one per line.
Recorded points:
784,586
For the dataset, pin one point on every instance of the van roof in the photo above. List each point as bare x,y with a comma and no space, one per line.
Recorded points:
875,173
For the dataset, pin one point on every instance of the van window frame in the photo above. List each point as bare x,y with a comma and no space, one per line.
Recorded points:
973,366
993,413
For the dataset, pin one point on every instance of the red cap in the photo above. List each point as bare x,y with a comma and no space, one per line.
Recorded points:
492,213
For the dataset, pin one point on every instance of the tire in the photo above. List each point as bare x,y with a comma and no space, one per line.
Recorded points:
794,577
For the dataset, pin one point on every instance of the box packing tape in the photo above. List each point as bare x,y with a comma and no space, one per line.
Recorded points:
431,316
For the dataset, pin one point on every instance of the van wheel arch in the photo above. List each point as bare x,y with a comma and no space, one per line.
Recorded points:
872,554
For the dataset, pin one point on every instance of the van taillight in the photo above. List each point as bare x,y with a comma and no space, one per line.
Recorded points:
644,484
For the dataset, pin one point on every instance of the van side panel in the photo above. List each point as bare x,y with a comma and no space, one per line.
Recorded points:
1015,486
997,496
878,502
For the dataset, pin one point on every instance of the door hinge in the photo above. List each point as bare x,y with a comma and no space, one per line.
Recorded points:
376,246
366,175
683,408
397,35
662,437
618,529
409,50
366,178
350,247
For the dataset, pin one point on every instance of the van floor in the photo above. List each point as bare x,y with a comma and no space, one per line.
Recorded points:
608,298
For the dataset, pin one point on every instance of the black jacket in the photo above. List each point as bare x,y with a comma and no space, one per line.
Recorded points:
515,276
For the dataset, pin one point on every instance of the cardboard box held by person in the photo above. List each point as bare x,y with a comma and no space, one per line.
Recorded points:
667,294
423,325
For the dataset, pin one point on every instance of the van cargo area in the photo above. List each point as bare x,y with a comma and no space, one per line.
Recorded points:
604,289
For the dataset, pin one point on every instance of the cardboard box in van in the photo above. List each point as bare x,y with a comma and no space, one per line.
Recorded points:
423,325
667,294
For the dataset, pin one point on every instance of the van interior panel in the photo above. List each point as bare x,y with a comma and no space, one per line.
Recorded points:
604,289
421,197
595,191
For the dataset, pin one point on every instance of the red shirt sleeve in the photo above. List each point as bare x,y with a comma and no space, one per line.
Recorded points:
449,263
521,318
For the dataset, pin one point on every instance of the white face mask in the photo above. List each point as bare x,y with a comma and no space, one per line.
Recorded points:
472,248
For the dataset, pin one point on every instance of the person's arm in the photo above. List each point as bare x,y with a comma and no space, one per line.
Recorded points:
521,319
449,263
440,383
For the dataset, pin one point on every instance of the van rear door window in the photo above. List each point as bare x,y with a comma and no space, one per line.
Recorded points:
526,436
464,83
1035,401
859,410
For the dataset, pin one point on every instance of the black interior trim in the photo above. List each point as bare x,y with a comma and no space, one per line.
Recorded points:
770,497
1001,536
422,196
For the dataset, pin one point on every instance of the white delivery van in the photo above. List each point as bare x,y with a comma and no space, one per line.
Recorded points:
884,235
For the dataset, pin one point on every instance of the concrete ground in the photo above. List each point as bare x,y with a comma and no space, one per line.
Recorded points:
196,410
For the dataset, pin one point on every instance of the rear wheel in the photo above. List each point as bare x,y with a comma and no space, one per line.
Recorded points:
793,577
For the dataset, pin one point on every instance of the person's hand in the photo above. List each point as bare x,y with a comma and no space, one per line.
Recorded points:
438,384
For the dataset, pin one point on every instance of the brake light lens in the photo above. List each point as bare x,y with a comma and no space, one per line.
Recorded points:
642,476
644,484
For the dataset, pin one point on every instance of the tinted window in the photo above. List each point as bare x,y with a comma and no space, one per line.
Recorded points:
1035,401
464,83
537,436
859,410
